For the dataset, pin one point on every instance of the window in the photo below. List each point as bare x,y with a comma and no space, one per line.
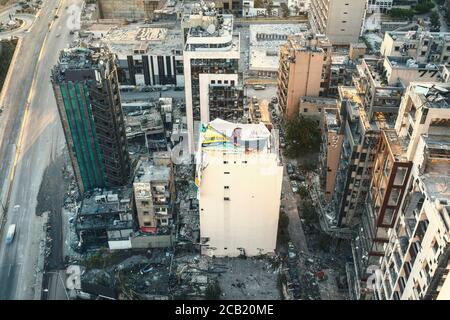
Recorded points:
146,213
226,172
226,199
225,162
226,187
305,110
147,224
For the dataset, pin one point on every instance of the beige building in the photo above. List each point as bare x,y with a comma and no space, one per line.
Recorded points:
332,139
340,20
424,47
153,193
405,231
304,69
315,108
239,175
128,9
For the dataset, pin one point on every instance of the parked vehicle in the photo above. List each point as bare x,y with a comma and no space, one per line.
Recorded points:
290,168
259,87
11,233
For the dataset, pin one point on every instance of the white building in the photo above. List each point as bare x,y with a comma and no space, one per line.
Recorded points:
147,56
379,5
239,176
211,59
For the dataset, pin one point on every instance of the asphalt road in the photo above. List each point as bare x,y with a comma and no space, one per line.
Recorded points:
32,138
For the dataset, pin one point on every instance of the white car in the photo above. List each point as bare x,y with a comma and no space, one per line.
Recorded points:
11,233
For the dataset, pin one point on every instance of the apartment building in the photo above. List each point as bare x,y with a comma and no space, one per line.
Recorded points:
154,191
340,20
211,66
404,231
332,141
239,176
379,93
360,137
87,94
106,219
422,46
304,70
375,6
146,56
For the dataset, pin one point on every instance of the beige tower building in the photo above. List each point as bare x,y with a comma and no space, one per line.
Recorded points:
340,20
239,175
305,61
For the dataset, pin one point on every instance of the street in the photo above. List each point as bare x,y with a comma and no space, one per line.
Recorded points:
32,139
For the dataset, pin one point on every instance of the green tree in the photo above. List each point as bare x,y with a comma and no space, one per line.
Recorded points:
302,134
435,22
269,7
424,6
284,10
401,13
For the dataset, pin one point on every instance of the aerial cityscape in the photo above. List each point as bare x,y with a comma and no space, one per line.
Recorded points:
224,150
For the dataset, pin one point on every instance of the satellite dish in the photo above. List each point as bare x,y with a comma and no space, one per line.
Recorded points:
211,29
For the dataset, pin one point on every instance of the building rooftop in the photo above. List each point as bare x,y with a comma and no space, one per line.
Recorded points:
436,176
80,59
148,172
142,39
105,201
139,122
265,42
414,35
397,147
409,63
431,95
221,135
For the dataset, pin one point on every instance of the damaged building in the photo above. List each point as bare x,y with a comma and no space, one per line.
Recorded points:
105,218
211,68
87,94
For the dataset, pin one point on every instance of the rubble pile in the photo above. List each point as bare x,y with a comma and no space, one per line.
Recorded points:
144,276
188,219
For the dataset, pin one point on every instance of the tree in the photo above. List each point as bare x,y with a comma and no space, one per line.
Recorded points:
424,6
435,21
269,7
401,13
302,134
284,10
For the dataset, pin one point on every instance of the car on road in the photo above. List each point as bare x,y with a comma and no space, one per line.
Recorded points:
259,87
11,233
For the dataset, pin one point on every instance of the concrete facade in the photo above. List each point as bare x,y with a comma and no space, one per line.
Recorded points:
304,63
341,21
239,183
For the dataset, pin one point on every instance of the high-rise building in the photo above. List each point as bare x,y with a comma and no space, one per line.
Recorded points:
239,175
404,233
211,68
88,99
340,20
304,67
